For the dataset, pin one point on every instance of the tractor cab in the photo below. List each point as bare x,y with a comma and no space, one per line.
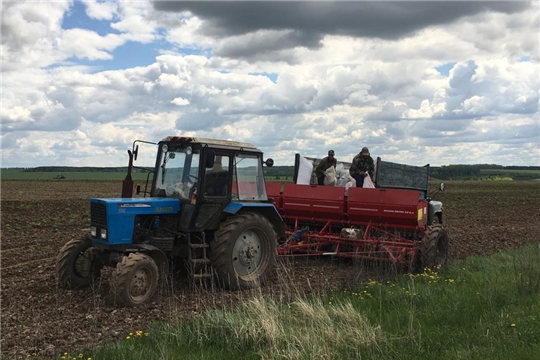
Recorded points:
208,171
206,175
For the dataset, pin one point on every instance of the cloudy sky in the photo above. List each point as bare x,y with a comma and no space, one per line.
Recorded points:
417,82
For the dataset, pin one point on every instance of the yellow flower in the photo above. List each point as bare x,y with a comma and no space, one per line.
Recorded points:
80,356
130,334
513,325
128,337
145,334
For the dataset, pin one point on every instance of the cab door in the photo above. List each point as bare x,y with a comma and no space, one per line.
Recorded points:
215,192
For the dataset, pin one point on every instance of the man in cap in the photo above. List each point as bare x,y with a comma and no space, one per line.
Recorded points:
324,164
362,166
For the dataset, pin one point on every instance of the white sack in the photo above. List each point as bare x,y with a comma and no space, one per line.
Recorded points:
342,175
368,183
305,168
330,176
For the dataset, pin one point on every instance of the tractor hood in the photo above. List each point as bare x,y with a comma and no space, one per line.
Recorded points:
142,206
112,220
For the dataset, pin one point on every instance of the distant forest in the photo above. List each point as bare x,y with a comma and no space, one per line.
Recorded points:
448,172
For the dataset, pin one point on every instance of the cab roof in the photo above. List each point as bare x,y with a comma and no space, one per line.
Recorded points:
212,142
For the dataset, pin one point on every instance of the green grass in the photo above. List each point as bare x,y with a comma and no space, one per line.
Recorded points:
480,308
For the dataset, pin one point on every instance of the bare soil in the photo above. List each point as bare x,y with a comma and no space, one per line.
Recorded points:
39,217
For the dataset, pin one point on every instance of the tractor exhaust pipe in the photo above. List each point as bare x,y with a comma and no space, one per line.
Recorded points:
127,184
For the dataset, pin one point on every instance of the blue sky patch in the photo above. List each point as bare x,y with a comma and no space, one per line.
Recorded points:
524,58
129,55
76,18
272,76
444,69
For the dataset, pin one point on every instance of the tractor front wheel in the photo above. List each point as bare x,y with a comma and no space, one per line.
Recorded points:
134,280
76,268
243,252
434,247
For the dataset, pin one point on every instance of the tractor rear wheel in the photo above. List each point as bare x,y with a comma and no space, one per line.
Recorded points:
134,280
434,247
76,268
243,252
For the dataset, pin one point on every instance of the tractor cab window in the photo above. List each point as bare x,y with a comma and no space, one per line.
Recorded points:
177,174
248,178
216,181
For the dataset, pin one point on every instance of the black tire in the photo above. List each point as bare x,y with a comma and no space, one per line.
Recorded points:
76,268
434,247
243,252
134,280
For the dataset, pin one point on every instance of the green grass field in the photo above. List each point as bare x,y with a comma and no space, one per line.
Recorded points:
480,308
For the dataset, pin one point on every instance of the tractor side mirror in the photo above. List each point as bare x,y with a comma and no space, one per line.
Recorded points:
441,187
135,152
269,162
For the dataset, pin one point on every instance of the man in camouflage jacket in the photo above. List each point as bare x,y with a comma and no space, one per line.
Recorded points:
362,166
324,164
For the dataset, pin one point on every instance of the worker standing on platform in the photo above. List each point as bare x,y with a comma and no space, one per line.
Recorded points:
324,164
362,166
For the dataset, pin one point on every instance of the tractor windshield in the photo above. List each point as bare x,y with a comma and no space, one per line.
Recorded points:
177,173
248,180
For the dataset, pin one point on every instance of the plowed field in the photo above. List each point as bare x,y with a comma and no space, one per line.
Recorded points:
38,217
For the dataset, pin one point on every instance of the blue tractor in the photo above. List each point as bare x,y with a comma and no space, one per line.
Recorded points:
204,205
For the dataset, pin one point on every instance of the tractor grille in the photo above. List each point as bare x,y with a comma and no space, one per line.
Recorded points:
98,215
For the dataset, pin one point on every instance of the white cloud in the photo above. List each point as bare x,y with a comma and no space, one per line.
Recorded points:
100,10
180,101
342,94
88,44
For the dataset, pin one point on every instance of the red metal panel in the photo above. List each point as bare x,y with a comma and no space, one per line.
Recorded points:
391,207
273,189
320,202
364,205
400,207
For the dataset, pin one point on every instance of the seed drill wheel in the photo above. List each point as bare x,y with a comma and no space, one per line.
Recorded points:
243,252
134,280
434,247
75,266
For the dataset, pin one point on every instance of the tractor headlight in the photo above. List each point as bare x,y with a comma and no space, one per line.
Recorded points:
104,234
93,231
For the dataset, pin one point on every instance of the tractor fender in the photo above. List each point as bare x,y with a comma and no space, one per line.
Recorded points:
267,210
157,255
434,209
